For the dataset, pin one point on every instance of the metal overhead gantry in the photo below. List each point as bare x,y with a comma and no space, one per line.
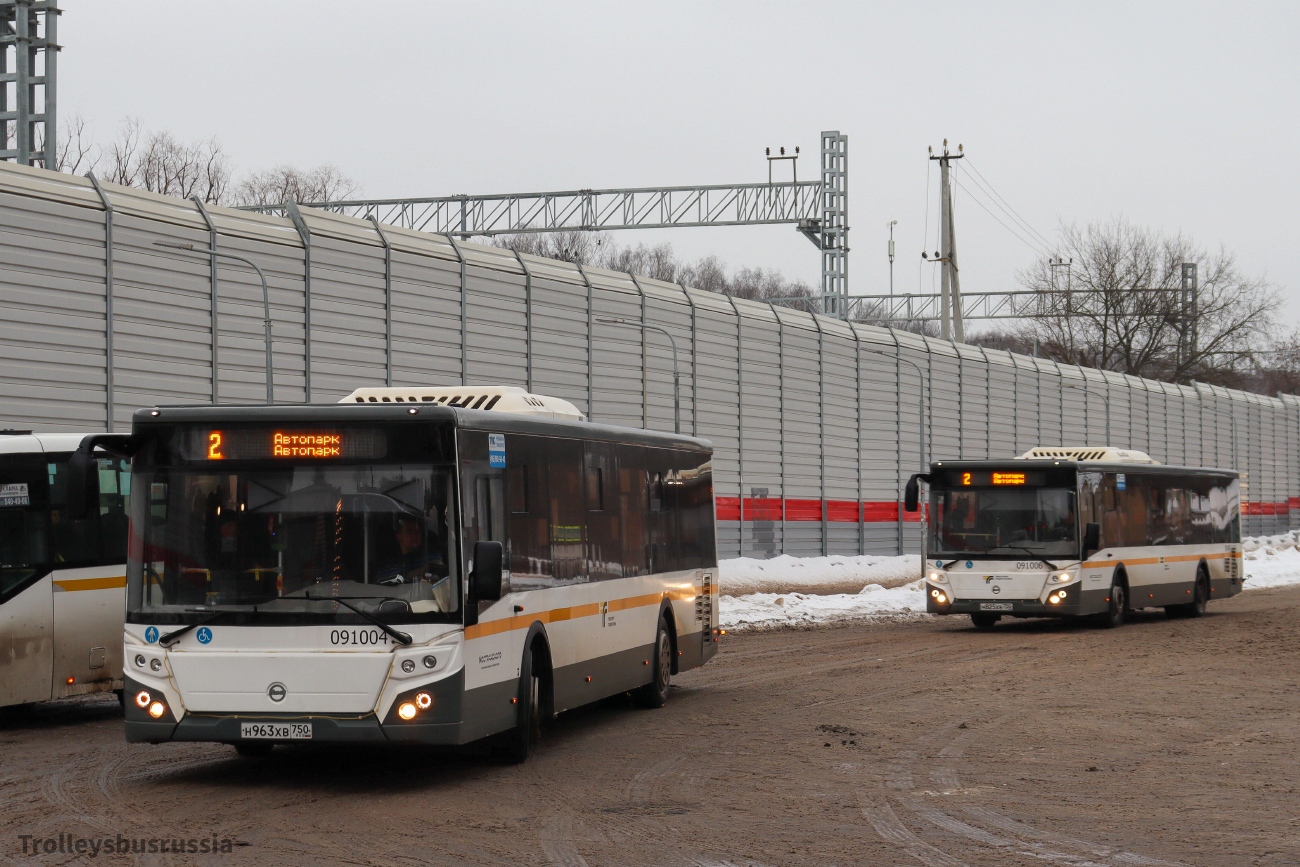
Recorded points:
818,209
28,70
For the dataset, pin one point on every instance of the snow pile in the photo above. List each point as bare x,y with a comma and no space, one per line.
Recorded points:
802,591
1272,561
818,575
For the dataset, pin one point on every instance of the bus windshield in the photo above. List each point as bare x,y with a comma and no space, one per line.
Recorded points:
1005,521
276,544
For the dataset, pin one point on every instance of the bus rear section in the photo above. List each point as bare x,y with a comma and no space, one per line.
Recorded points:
385,573
1069,532
62,568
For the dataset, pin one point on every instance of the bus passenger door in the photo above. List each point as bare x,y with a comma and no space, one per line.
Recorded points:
26,609
89,579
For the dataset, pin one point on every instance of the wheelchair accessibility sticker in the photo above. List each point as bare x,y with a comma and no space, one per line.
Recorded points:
204,635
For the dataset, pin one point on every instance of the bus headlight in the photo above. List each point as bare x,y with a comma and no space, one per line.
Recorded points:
142,699
406,710
1063,578
937,577
157,709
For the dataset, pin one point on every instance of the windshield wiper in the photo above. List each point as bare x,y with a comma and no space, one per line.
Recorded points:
400,637
172,637
1038,557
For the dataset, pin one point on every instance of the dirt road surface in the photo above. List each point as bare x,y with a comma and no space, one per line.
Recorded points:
921,742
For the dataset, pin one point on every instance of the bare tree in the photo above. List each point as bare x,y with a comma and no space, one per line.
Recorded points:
158,162
1121,308
289,184
580,248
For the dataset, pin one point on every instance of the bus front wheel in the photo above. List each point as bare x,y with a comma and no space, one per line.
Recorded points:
985,621
1116,606
512,746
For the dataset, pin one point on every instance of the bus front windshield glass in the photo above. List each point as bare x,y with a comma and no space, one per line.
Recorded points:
1004,522
278,544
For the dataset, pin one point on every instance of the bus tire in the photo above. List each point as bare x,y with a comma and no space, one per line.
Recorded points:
1116,604
253,749
655,693
984,621
513,745
1200,597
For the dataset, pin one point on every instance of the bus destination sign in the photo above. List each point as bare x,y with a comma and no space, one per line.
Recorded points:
998,478
255,444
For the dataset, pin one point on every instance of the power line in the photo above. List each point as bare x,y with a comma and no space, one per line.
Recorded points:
1022,239
1007,205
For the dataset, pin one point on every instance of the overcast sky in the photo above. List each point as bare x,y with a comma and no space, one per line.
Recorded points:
1179,116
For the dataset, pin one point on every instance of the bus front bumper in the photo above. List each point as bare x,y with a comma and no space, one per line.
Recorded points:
1073,605
439,724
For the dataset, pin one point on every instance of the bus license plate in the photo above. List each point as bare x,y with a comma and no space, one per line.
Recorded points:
276,731
995,606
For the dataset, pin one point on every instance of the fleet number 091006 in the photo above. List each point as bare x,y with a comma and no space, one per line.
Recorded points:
358,636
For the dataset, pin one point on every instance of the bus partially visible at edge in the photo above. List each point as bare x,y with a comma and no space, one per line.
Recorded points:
428,565
1071,532
63,529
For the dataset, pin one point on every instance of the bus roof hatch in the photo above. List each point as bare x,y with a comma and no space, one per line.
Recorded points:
1088,453
497,398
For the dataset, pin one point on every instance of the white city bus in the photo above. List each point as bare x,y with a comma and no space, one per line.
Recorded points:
432,565
1068,532
62,566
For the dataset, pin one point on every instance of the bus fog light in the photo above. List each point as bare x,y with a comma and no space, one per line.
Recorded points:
155,665
934,593
142,699
1054,599
139,661
408,665
1061,594
940,598
157,709
406,710
431,662
424,701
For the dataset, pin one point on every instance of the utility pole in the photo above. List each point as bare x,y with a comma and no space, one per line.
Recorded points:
1188,312
892,224
950,287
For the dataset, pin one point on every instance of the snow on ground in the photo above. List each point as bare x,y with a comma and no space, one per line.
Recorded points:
802,591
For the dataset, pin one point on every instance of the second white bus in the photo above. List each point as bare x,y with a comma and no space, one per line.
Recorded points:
1069,532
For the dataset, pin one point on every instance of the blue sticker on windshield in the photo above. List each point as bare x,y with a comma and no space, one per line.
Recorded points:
496,450
970,565
204,635
151,634
1120,481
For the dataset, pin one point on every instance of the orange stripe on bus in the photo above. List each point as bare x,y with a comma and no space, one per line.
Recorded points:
1153,561
556,615
91,583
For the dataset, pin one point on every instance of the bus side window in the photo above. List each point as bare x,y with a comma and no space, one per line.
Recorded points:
74,541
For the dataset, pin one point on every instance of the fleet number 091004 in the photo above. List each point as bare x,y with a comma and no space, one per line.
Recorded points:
362,637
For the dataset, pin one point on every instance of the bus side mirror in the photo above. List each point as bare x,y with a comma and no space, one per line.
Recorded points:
1091,539
485,582
83,469
912,493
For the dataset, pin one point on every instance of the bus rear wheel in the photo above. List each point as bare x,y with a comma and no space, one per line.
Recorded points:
1200,597
984,621
655,693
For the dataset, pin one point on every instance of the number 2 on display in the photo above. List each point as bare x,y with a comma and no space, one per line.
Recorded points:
214,446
